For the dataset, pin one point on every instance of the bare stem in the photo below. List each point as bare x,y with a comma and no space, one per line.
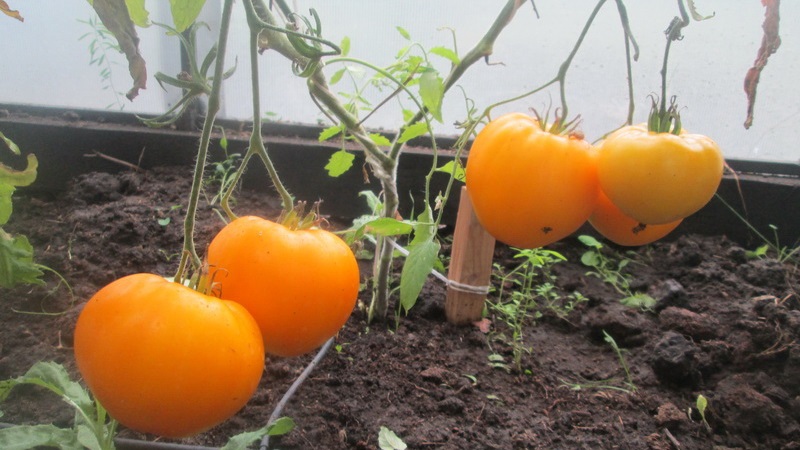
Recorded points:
256,140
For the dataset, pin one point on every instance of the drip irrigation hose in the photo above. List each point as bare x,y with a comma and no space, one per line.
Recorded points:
288,395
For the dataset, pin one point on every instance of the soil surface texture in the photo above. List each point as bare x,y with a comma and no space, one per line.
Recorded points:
724,325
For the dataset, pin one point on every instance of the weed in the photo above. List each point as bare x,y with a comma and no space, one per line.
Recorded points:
626,385
523,293
609,266
782,253
102,47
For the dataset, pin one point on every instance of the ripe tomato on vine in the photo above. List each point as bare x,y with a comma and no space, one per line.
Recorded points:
530,187
299,285
165,359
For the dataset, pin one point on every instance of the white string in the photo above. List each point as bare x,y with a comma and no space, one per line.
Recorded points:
455,285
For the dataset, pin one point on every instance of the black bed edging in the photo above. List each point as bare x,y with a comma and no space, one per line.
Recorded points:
61,139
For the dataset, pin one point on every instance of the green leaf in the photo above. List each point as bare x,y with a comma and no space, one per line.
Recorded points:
412,131
87,438
337,76
339,163
702,404
388,440
55,378
418,265
373,201
16,264
19,177
380,139
386,226
243,441
639,300
10,143
590,241
24,437
431,89
329,132
223,141
6,207
446,53
185,12
165,221
138,13
454,168
345,46
590,259
424,228
403,32
280,426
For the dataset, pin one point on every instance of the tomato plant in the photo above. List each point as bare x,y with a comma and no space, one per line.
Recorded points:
530,187
620,229
165,359
300,285
658,177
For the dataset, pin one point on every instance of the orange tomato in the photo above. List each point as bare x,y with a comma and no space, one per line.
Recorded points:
299,285
658,178
530,187
165,359
615,226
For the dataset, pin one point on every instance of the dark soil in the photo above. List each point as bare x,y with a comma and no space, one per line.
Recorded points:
724,326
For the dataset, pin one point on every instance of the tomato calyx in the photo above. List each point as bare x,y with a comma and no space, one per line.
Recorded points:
662,119
560,125
297,218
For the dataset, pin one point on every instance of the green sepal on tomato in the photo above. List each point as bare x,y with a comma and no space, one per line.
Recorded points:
530,187
165,359
658,177
300,285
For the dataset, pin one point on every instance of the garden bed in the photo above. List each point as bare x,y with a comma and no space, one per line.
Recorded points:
725,326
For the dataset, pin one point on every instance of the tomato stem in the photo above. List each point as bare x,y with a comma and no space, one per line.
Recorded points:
189,249
667,120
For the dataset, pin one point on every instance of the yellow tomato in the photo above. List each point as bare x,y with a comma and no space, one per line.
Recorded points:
165,359
615,226
530,187
658,178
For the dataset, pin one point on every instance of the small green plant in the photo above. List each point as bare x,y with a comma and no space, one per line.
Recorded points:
701,404
16,252
782,253
524,292
609,266
103,51
93,428
626,385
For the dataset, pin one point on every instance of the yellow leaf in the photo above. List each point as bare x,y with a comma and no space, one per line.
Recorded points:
10,12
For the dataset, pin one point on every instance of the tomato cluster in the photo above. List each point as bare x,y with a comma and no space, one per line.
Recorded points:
166,359
531,187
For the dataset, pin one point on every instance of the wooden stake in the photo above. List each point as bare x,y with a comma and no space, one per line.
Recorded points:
470,266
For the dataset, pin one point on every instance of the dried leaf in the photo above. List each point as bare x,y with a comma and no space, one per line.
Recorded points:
769,45
114,15
695,14
10,12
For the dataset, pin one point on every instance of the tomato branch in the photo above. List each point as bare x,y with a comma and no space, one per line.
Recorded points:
256,140
630,41
189,249
673,33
